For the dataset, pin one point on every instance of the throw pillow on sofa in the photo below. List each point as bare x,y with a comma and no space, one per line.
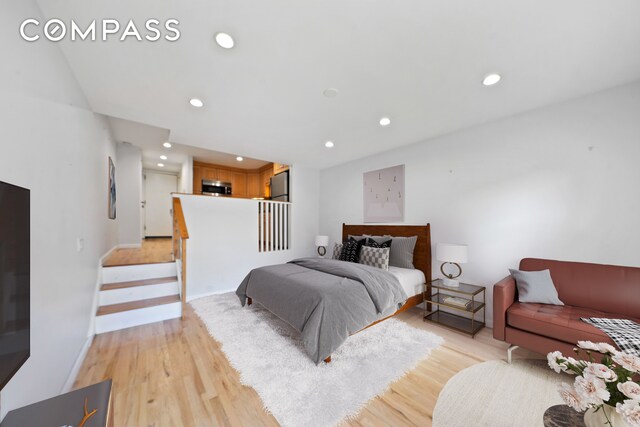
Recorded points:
536,286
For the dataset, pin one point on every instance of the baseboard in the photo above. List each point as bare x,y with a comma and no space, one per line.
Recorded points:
106,255
71,379
208,294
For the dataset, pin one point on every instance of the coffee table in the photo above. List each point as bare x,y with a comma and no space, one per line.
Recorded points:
563,416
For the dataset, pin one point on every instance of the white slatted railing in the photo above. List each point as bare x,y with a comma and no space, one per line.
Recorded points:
274,230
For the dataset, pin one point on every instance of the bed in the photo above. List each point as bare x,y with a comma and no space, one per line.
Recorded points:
328,300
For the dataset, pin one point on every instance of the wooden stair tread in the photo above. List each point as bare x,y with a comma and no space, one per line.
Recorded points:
134,283
134,305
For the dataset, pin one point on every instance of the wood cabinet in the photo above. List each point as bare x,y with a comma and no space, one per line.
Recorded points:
197,179
265,182
244,183
253,184
238,184
279,167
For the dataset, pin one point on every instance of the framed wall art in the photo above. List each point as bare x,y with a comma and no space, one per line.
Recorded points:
384,195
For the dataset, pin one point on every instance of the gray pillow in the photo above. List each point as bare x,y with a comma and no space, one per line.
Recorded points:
401,249
536,286
358,238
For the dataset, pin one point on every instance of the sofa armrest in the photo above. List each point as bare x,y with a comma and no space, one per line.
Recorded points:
504,294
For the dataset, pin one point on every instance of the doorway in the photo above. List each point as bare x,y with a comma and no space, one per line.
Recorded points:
158,215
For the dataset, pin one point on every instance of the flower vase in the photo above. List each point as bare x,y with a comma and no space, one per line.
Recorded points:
595,417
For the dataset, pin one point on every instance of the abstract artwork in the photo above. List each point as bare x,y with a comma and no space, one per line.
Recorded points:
112,190
384,195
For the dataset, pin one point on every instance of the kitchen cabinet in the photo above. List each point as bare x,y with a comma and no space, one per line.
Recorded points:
244,183
197,180
253,184
265,182
223,175
279,167
238,184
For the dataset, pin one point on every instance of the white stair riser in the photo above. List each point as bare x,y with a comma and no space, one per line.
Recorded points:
141,316
116,296
128,273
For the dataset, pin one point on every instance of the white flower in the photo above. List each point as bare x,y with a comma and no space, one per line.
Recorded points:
571,397
630,411
552,358
599,370
574,362
629,362
603,347
630,389
587,345
592,390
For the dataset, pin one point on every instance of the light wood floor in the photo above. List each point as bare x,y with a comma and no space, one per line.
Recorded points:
173,373
152,251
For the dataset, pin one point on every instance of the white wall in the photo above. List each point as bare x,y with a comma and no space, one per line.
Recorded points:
129,193
560,182
185,184
222,246
52,144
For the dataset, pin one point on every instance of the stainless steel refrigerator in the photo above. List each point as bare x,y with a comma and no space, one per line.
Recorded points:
280,187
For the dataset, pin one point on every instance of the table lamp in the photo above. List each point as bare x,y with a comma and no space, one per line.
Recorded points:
322,242
453,254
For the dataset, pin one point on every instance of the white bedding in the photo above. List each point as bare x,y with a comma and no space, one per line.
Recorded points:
412,280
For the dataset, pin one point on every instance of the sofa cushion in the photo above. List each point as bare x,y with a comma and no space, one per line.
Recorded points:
610,288
559,322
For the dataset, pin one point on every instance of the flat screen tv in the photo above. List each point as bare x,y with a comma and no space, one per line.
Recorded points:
14,280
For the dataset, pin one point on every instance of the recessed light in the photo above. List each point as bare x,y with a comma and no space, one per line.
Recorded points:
163,157
195,102
328,144
161,165
224,40
167,145
491,79
331,92
385,121
239,158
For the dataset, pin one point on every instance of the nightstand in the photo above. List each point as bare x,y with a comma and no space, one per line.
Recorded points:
467,304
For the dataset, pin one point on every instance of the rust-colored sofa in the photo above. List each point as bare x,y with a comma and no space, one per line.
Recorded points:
587,290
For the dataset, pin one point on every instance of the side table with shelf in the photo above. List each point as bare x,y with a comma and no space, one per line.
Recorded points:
471,293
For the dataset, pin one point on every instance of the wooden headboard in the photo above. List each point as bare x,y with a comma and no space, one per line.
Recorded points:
422,252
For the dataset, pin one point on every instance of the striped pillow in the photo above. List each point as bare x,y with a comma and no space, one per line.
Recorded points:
401,250
337,248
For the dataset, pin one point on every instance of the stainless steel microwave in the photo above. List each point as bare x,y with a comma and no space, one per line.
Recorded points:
216,188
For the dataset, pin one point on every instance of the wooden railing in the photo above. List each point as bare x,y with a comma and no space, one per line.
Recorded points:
180,237
274,232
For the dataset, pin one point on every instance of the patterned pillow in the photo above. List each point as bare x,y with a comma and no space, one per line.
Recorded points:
337,248
375,257
351,250
373,244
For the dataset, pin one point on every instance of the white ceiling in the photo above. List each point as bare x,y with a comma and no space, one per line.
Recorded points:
150,139
419,62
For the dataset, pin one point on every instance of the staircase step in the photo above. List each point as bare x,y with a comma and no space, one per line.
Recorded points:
135,305
135,283
130,273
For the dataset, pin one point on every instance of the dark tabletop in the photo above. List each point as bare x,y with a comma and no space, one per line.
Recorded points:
563,416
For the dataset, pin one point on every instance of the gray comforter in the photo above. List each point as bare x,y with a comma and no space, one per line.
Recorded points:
325,300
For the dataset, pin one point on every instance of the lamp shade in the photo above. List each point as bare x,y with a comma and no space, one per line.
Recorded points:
322,241
449,252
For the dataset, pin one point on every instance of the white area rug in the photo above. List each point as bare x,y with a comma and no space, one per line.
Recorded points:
269,356
497,394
